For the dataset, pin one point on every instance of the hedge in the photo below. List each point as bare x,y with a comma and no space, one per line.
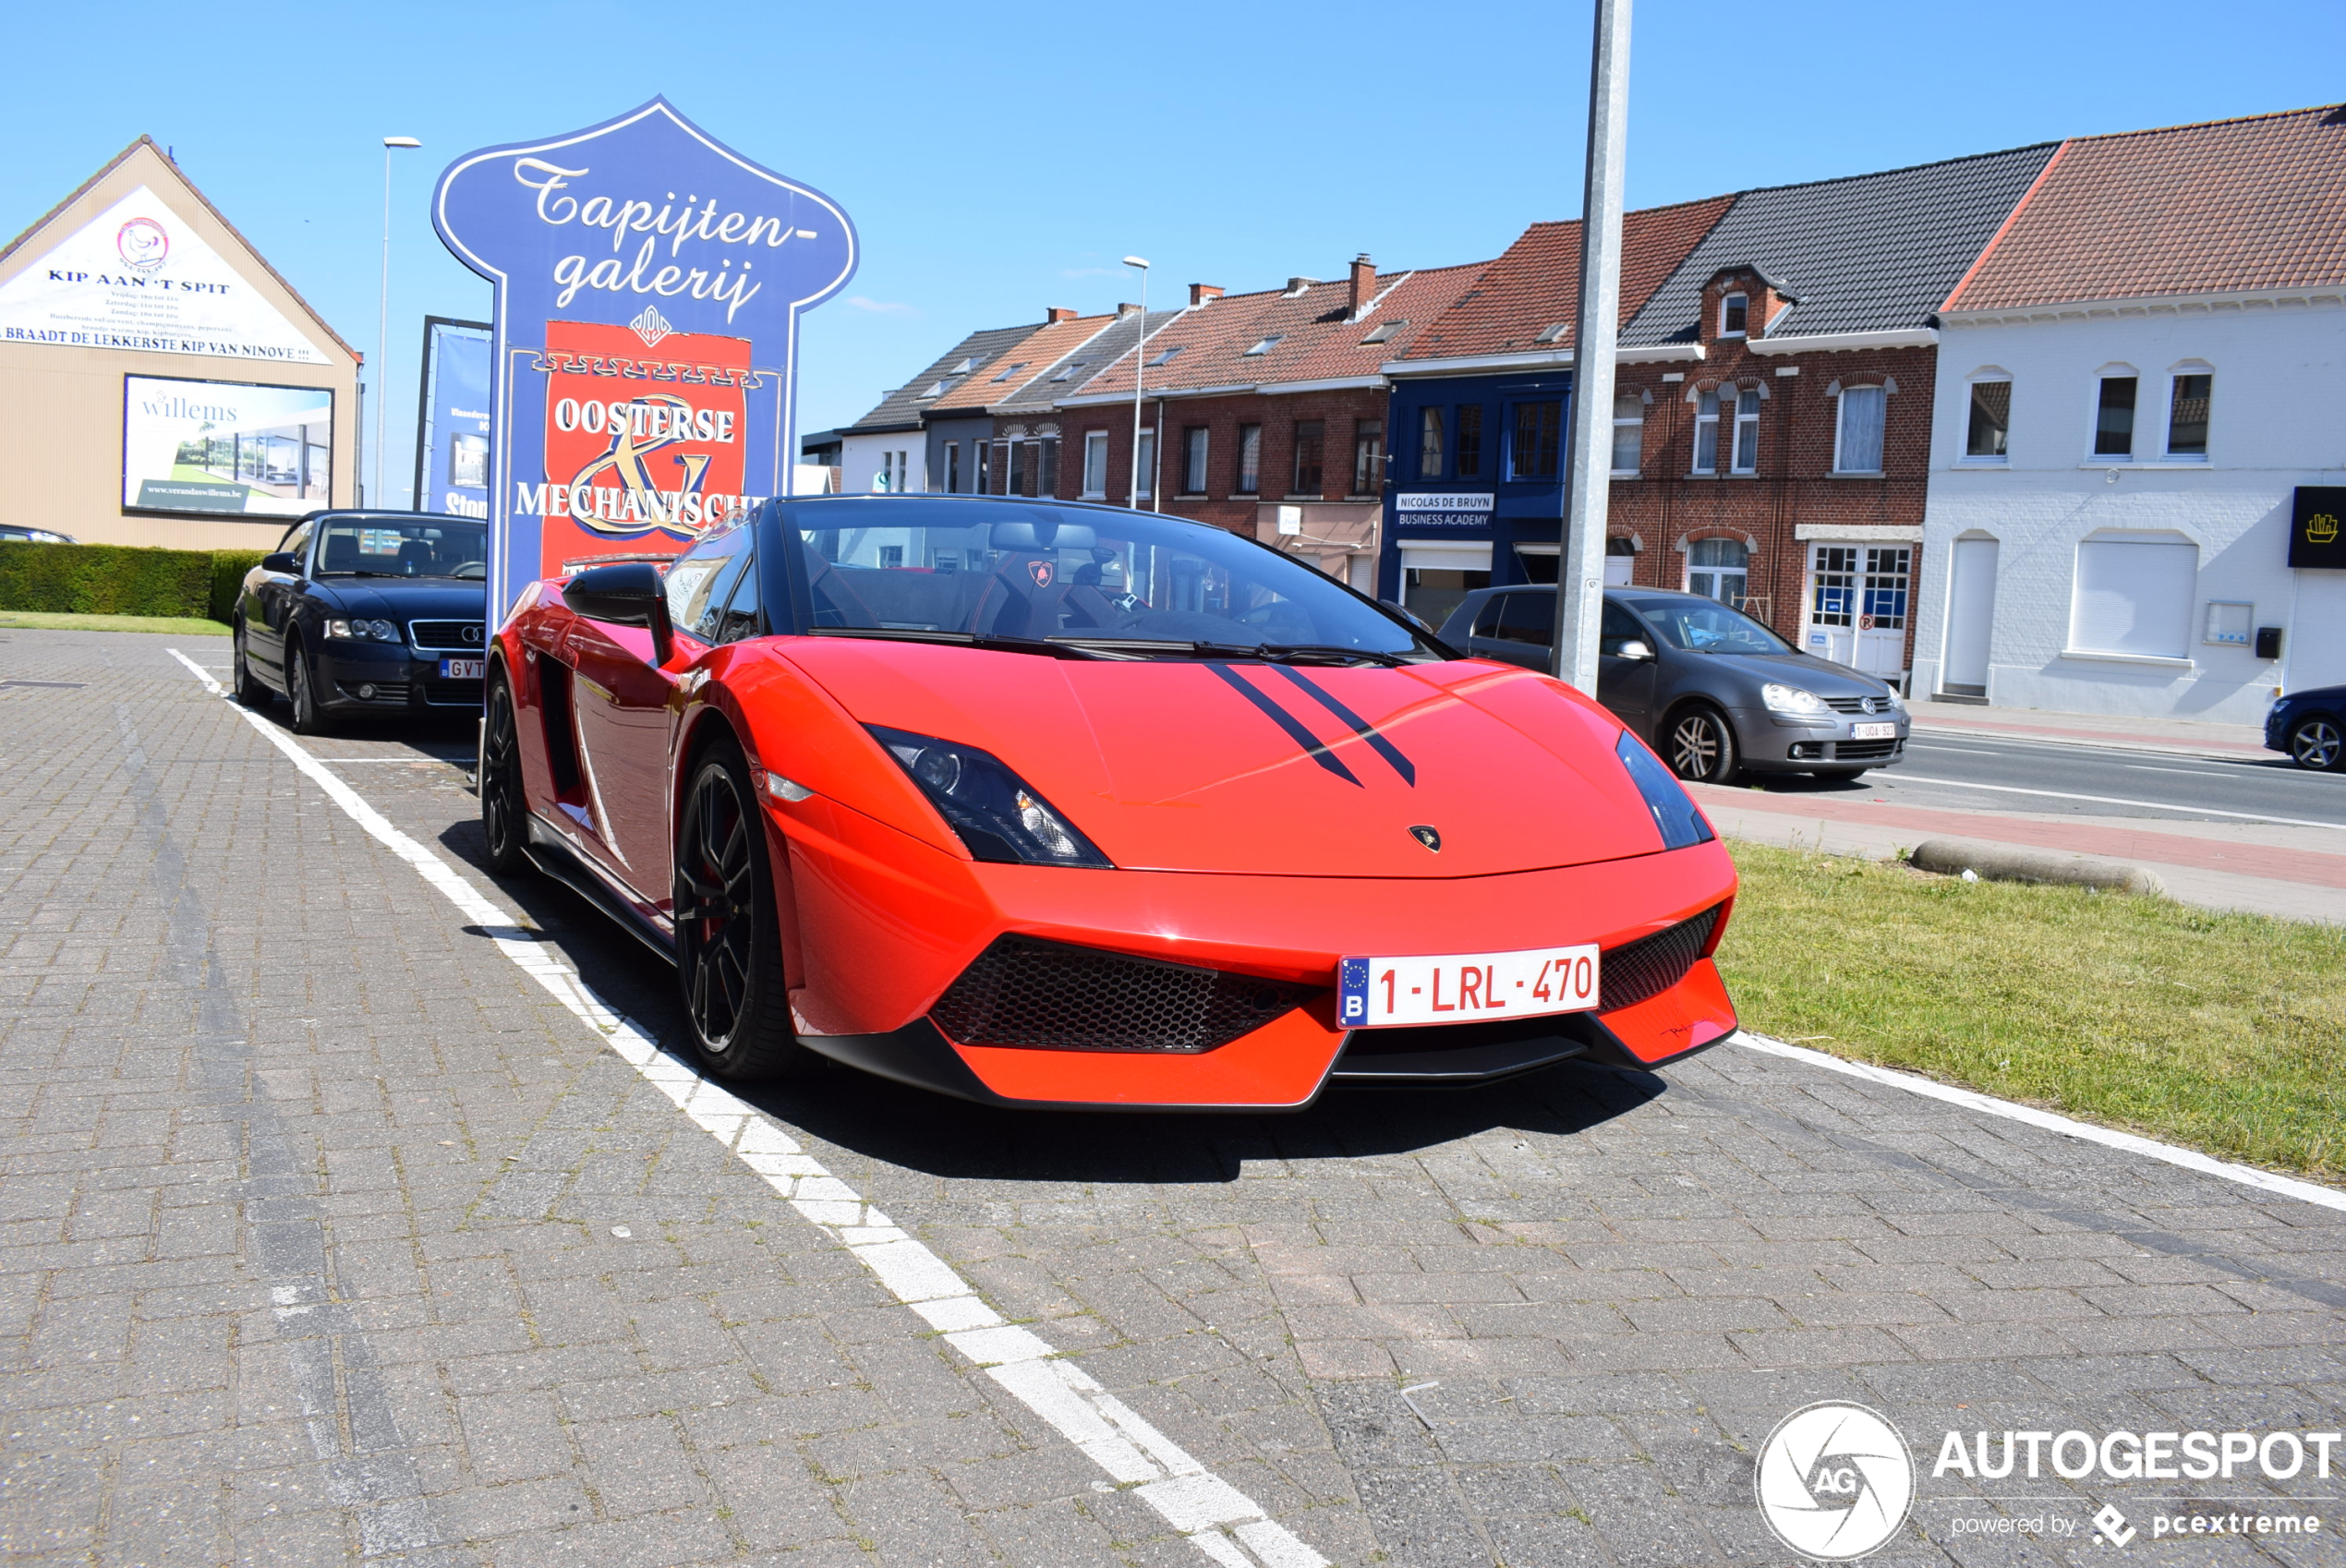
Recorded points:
122,580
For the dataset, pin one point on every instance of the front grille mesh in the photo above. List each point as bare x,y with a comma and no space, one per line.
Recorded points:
1045,996
447,635
1857,704
1646,968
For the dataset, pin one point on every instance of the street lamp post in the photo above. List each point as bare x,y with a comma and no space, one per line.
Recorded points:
382,319
1140,342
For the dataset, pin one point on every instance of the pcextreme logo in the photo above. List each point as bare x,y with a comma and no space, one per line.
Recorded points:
1834,1482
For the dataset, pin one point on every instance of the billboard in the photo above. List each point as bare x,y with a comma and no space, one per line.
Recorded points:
645,348
225,449
452,419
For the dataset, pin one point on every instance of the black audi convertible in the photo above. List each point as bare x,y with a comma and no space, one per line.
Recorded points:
366,612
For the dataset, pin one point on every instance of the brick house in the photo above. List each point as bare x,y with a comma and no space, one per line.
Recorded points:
977,443
888,448
1264,413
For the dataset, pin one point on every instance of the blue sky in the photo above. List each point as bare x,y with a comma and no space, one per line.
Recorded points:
997,161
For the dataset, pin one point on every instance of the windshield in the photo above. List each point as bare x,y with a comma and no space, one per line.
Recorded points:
415,546
1708,627
1080,575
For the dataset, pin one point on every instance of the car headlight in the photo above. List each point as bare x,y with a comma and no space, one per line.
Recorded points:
1897,703
998,815
1782,698
1681,821
363,630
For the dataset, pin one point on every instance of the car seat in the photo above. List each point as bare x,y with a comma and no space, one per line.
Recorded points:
341,553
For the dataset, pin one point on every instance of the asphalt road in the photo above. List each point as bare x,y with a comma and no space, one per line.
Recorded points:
1991,775
329,1233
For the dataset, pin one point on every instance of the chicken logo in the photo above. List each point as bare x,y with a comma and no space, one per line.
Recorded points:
142,244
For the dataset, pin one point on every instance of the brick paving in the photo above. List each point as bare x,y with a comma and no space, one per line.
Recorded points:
310,1250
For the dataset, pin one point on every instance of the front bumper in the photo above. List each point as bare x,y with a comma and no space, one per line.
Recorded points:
885,926
1773,742
390,677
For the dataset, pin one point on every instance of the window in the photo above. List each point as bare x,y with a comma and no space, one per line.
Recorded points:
891,557
1706,433
1538,427
1718,569
1856,447
953,466
2115,417
982,453
1629,432
1618,628
1469,440
1735,315
1368,457
1620,562
1250,460
1266,345
2134,596
1833,593
1067,372
1522,618
1011,370
1309,436
1147,465
1193,460
2187,416
1430,443
1094,465
1386,332
1050,466
1015,457
1747,455
1991,419
1889,569
1167,356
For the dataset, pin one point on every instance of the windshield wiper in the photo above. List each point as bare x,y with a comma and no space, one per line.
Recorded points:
1272,653
1329,653
1051,647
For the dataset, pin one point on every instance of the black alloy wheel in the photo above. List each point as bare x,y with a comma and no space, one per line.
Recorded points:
250,691
301,689
729,958
2317,743
504,820
1702,746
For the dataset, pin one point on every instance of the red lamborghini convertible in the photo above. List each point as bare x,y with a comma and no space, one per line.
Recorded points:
1049,804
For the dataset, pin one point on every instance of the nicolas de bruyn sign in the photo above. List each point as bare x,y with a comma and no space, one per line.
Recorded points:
648,285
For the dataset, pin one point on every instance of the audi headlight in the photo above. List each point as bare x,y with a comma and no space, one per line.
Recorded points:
1782,698
1681,821
998,815
363,630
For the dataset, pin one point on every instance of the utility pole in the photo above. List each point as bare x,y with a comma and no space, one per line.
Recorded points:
1138,345
1588,472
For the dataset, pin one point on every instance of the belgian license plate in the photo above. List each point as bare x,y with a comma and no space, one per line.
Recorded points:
460,669
1873,732
1463,987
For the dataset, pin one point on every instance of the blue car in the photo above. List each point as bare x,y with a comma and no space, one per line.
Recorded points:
2311,727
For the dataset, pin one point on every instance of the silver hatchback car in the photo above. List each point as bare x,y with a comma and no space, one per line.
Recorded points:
1711,690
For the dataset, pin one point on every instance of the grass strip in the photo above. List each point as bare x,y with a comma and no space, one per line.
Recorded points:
2223,1031
52,620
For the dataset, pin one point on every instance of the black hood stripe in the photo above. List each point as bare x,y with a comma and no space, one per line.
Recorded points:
1360,727
1287,723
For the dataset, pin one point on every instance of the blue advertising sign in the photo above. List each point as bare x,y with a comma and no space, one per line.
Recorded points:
452,419
644,351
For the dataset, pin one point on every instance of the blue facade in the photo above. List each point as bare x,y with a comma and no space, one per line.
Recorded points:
1499,483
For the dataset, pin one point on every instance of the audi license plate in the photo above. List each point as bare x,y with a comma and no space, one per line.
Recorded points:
1461,987
1873,732
460,669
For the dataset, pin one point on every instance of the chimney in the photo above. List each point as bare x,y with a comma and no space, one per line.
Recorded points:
1056,314
1127,309
1298,286
1201,293
1363,283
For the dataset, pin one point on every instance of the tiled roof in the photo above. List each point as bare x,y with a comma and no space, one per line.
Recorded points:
1536,286
1863,254
986,387
2235,204
1313,335
900,410
1092,363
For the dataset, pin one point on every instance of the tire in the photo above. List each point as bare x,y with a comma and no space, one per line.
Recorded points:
504,820
250,691
729,957
2317,743
301,690
1700,747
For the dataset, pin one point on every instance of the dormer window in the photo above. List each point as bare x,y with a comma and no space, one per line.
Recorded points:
1167,357
963,369
1067,373
1554,332
1384,332
1735,314
1265,346
941,388
1013,370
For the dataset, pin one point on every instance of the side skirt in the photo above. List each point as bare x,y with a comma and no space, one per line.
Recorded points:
550,854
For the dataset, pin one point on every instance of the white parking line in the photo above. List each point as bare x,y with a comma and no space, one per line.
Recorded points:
2115,801
1219,1519
2189,1159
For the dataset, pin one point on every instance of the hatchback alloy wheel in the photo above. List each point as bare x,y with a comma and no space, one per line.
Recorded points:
1701,747
2316,744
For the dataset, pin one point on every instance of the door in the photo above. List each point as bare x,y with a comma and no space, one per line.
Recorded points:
1517,628
270,609
1626,685
1971,618
1858,606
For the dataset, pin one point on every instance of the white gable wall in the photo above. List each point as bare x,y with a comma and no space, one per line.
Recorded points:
2277,419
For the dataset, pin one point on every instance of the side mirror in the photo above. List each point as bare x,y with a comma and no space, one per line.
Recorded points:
1637,651
626,593
282,560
